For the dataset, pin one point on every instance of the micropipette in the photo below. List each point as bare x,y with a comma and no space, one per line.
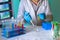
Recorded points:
32,23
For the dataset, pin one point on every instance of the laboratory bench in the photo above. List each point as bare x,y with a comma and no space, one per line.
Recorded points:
32,33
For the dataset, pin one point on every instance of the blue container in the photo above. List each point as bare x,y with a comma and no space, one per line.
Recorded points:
47,25
12,33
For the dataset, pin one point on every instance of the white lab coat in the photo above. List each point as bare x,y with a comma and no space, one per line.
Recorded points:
25,5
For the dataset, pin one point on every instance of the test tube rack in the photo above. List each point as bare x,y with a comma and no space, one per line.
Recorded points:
11,33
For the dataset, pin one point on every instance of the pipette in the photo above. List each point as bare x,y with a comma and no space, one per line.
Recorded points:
32,23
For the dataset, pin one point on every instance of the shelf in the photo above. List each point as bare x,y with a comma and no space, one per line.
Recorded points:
3,3
7,1
5,18
3,11
5,6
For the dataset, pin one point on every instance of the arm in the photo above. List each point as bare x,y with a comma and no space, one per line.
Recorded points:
49,16
21,10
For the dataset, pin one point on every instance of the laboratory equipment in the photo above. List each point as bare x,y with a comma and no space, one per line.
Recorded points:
28,18
5,9
12,28
5,15
56,29
11,33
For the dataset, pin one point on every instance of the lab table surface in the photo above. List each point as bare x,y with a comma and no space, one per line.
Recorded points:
32,34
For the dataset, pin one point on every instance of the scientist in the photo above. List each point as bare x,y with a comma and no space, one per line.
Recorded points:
30,9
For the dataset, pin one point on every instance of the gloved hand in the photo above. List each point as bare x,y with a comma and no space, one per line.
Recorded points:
27,17
41,16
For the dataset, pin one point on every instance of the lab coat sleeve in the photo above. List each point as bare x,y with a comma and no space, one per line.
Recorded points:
49,16
21,10
48,11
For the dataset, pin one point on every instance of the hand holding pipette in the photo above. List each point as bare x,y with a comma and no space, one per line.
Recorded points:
28,18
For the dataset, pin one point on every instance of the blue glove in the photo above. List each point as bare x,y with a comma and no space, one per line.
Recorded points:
27,17
41,16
